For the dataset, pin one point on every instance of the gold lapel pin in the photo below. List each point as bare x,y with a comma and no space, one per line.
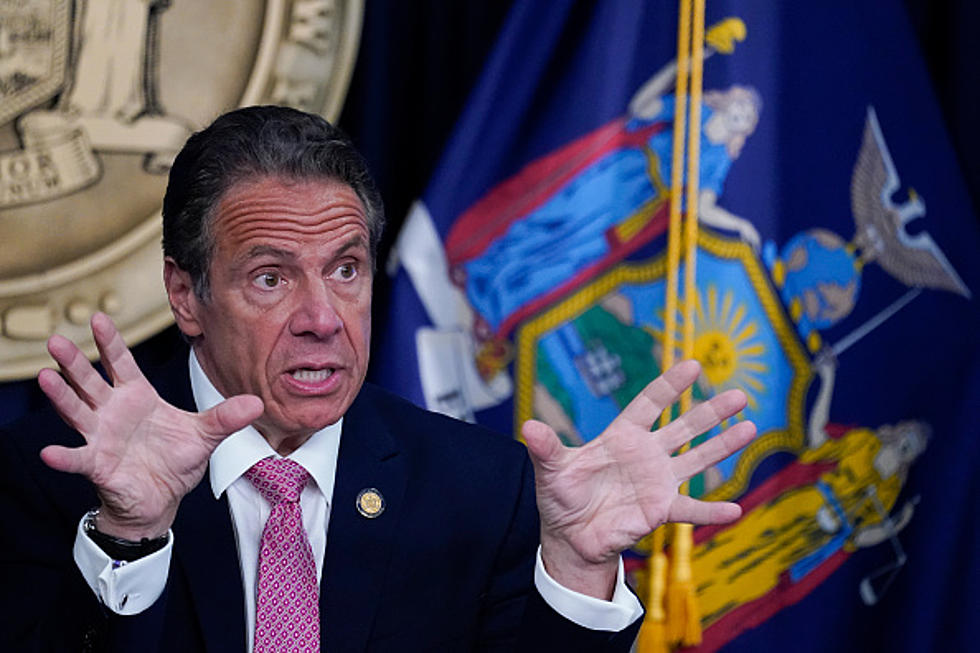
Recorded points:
370,503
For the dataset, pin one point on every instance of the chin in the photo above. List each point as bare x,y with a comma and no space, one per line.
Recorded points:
311,420
292,424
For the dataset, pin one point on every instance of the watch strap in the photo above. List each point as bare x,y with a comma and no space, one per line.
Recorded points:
120,549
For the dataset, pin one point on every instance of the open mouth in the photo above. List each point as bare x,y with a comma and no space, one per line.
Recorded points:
305,375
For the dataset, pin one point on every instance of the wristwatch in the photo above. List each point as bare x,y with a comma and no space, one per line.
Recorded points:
116,547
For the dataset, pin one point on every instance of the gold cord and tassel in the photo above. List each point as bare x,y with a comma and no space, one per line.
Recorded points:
683,613
653,631
673,616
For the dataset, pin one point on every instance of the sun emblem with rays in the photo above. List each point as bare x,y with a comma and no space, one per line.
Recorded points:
727,344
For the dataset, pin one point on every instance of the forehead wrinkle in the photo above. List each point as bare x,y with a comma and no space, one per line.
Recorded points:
234,203
304,218
250,217
355,240
259,214
248,206
291,231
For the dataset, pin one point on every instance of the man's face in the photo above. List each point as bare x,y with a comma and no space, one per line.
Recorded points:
289,318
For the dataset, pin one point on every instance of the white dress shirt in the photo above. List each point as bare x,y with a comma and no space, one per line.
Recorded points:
130,588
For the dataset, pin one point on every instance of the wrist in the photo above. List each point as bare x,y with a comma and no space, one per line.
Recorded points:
595,578
118,548
127,528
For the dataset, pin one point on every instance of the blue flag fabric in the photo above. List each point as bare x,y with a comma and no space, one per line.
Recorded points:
837,268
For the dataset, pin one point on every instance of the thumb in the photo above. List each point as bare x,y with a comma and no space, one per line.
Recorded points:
231,415
543,443
72,460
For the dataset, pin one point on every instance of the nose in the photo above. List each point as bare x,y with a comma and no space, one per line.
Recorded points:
315,312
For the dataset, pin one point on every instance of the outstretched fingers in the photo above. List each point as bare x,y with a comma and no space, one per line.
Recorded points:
116,357
702,418
78,371
660,393
66,401
713,451
686,510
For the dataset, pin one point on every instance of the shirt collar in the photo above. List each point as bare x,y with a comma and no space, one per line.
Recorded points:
242,449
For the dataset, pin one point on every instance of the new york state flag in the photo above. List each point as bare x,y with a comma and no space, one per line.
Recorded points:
836,276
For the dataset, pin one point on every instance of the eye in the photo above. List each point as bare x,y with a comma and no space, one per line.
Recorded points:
346,271
268,280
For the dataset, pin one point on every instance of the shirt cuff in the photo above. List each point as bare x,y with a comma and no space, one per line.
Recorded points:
587,611
126,588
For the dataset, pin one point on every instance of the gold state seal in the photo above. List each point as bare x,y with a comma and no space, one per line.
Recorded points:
96,98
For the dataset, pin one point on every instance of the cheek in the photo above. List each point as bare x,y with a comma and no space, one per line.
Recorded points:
251,359
359,326
366,331
254,348
364,328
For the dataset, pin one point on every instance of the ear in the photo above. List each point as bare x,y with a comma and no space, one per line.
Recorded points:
184,302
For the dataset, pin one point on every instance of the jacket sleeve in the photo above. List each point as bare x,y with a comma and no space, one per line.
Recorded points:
46,603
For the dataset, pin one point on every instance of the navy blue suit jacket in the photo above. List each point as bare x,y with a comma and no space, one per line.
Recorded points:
448,566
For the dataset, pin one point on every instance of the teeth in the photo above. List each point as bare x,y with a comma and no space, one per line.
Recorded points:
312,376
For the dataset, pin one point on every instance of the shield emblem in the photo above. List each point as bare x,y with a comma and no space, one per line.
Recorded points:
33,53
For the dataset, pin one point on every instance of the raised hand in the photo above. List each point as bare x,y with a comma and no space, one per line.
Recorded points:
602,498
141,453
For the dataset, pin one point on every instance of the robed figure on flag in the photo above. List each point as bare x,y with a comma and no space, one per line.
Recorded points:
834,284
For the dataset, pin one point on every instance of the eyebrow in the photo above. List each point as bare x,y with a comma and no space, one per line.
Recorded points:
266,250
284,254
356,241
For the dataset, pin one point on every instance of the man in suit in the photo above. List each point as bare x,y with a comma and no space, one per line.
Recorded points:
332,513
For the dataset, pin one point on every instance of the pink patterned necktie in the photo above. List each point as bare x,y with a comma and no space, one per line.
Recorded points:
287,606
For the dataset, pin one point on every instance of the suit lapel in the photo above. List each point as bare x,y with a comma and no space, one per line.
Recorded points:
358,548
173,381
204,542
205,549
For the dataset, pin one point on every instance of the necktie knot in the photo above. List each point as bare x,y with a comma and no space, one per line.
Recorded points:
278,480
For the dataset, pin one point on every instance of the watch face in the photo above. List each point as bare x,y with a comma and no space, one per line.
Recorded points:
94,105
88,522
